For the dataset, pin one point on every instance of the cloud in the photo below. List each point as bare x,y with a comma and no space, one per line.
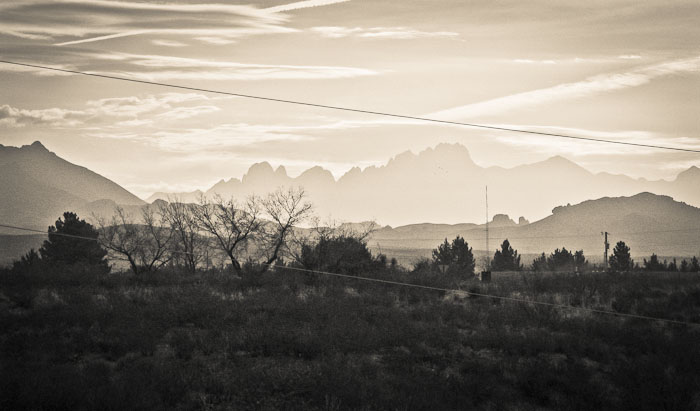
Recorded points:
167,43
71,22
15,117
160,68
166,106
529,61
401,33
581,148
590,86
181,113
135,105
303,5
215,139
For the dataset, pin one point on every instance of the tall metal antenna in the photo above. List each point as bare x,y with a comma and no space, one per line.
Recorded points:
488,255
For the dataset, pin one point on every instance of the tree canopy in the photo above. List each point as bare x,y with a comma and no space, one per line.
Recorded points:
621,261
506,259
457,256
74,241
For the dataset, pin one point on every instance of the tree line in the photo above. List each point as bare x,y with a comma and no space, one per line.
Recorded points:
259,232
255,232
457,256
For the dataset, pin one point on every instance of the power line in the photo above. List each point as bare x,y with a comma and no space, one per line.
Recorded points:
498,297
354,110
441,238
47,233
427,287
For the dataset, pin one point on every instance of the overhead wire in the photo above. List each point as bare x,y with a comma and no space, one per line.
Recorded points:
441,238
427,287
350,109
393,115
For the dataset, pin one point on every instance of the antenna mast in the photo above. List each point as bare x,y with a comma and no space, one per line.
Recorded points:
488,256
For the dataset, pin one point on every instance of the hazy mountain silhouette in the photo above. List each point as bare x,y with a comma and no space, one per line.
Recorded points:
648,223
444,185
437,184
38,186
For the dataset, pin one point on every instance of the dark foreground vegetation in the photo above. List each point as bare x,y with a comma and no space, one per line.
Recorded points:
264,334
80,340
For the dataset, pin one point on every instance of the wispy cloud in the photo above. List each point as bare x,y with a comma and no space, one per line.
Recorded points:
401,33
127,110
580,148
216,139
167,43
159,68
590,86
302,5
71,22
16,117
181,113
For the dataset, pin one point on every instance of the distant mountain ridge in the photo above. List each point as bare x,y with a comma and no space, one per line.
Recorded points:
648,223
444,185
38,186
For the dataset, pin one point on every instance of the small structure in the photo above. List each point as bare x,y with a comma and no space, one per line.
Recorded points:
484,276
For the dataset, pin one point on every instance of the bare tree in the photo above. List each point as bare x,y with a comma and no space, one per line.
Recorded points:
189,244
285,209
232,226
159,237
144,244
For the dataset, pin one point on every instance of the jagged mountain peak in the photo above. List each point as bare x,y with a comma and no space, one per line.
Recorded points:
259,171
316,173
281,171
559,160
36,146
692,173
447,152
502,220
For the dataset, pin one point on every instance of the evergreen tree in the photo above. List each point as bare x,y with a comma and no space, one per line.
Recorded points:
506,259
694,265
74,241
463,258
684,266
580,263
621,261
443,254
654,264
672,266
540,263
27,261
561,260
457,255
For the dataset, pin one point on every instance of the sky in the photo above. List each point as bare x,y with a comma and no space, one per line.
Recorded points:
619,70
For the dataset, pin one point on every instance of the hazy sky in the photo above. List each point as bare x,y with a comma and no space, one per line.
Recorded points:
624,70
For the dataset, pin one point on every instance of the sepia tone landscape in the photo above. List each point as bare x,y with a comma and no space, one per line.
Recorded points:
349,205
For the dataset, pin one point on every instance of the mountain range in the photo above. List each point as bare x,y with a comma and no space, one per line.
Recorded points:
37,186
646,222
439,184
444,185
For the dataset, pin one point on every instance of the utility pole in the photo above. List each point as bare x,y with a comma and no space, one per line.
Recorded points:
607,247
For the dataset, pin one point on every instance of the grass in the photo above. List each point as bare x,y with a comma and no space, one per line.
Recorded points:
289,340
